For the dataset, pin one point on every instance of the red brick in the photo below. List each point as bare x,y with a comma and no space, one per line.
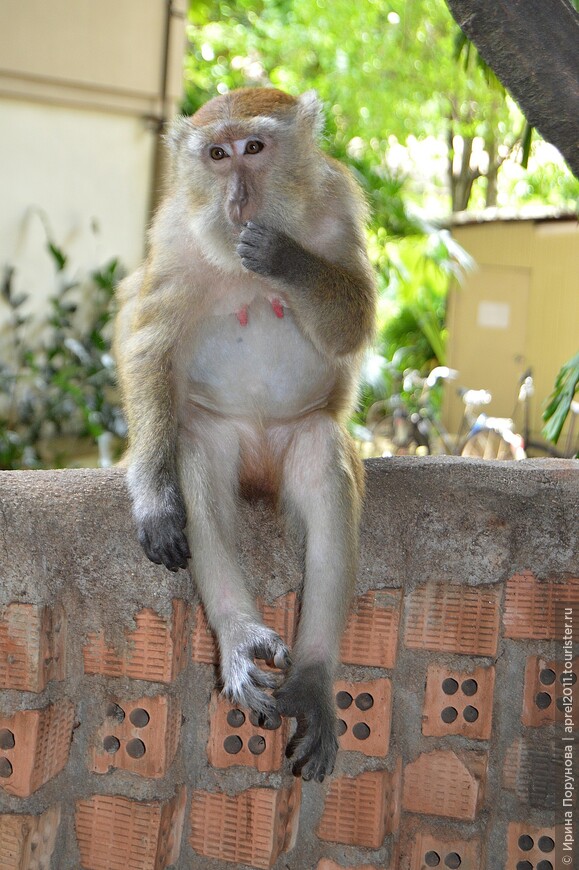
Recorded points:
41,742
115,833
360,810
371,634
32,643
326,864
141,736
449,618
364,711
534,608
527,843
236,739
445,783
462,694
155,650
27,842
442,851
543,695
253,827
281,616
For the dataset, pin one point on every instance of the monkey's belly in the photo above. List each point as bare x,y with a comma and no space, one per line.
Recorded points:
264,366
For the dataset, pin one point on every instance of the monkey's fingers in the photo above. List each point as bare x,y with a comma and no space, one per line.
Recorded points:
165,545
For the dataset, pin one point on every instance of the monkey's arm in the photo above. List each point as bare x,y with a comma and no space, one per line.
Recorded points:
334,304
143,351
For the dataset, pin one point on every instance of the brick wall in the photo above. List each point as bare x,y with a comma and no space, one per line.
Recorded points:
117,753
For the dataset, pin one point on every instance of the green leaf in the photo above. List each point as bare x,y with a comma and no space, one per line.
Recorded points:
559,402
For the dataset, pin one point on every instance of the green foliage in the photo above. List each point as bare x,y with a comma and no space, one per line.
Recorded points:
559,402
64,387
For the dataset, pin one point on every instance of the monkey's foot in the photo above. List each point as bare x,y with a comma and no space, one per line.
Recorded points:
162,535
307,695
244,682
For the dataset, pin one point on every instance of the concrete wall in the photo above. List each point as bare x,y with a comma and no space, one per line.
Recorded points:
518,308
115,749
81,92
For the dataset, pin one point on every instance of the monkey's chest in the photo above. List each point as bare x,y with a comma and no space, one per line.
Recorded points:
257,362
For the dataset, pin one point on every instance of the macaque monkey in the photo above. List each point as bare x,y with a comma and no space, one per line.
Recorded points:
238,344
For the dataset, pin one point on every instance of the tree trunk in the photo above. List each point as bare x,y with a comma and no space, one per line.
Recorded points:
533,47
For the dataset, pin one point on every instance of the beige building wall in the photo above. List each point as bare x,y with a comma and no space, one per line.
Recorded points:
519,308
83,89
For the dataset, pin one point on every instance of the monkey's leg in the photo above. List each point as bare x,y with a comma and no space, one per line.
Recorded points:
209,477
320,490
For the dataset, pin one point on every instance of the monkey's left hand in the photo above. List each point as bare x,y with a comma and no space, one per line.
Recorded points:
271,253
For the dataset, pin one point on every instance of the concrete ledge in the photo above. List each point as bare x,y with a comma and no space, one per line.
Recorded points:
473,564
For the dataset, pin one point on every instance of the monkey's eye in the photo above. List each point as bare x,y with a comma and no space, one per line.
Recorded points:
217,153
254,147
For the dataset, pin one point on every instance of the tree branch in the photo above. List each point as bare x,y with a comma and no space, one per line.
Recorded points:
533,47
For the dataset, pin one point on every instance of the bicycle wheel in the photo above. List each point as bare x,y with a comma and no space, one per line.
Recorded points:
487,443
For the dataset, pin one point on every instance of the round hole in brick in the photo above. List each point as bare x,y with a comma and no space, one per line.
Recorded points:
449,686
432,859
568,678
341,727
5,768
115,712
361,731
526,843
256,744
111,744
453,860
546,844
343,700
449,714
136,748
6,739
560,705
139,717
547,676
524,865
543,700
273,722
544,865
470,713
364,701
233,744
235,718
469,687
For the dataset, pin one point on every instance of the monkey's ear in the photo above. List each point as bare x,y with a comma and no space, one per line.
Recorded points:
177,132
310,112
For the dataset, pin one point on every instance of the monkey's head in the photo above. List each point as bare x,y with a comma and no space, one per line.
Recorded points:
251,154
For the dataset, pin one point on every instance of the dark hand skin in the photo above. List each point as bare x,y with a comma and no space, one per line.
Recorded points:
307,694
275,255
162,536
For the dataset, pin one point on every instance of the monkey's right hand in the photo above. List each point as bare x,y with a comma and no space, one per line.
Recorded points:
161,533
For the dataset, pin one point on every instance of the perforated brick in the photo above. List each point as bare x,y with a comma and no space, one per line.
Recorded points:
364,714
34,746
115,833
425,849
360,810
445,783
281,616
450,618
32,644
371,634
235,737
533,767
140,736
154,651
27,842
253,827
528,846
534,608
458,702
549,691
